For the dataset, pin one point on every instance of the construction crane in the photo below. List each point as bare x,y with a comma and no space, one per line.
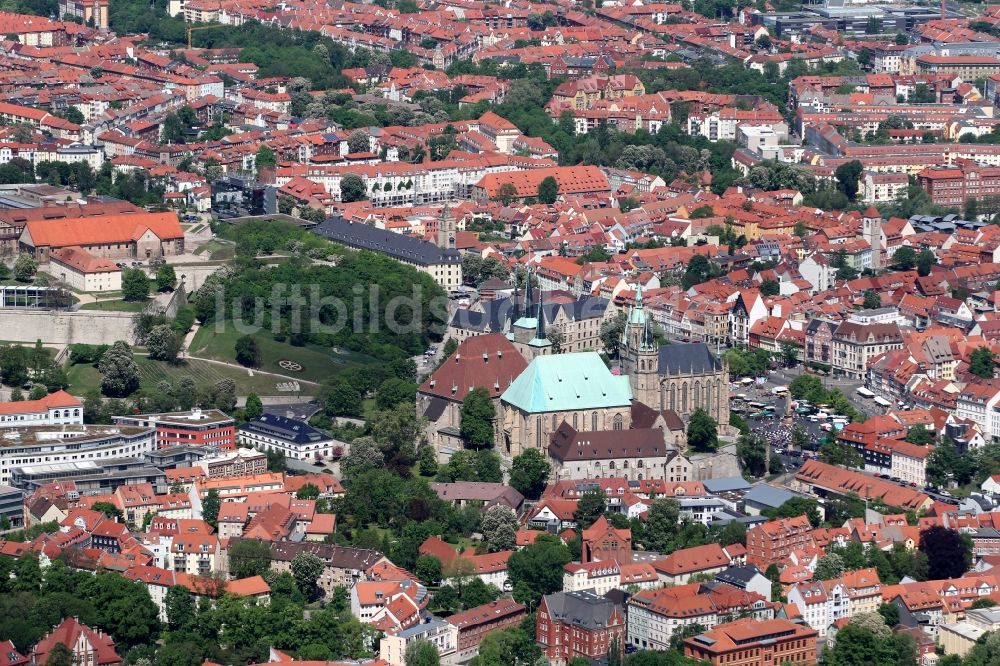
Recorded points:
192,28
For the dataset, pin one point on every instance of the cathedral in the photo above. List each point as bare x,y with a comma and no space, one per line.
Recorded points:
680,377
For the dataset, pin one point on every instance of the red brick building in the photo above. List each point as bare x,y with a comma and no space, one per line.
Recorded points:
578,624
475,623
771,542
209,427
602,542
750,642
952,186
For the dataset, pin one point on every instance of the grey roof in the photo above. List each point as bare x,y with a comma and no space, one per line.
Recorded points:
367,237
726,484
768,496
738,576
581,609
286,429
688,358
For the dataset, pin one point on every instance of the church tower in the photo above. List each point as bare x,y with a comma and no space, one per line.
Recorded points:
639,355
446,230
871,230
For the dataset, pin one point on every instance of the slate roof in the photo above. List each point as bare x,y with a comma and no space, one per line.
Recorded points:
766,495
580,609
285,429
689,358
726,484
398,246
567,382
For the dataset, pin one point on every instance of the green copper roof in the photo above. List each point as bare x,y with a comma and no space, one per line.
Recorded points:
539,342
526,322
564,382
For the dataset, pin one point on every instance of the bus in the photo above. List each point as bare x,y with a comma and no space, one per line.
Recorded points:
864,393
882,402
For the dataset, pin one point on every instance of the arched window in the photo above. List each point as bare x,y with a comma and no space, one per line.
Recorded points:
538,432
611,465
625,464
697,395
618,422
639,464
673,396
684,398
593,420
575,426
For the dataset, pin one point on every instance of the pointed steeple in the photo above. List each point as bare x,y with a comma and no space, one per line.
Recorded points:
540,328
515,309
527,290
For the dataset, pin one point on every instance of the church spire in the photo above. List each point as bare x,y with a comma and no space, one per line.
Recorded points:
540,327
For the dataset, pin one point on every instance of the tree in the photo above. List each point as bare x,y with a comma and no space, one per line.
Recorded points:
421,653
981,362
264,157
60,655
702,432
529,473
889,613
794,507
365,455
925,261
829,567
800,437
343,399
506,193
307,491
253,408
358,142
611,333
847,175
306,569
548,190
859,645
971,209
210,507
477,416
590,507
872,300
109,510
985,602
24,267
770,288
499,528
180,608
918,434
949,553
394,391
537,569
428,569
555,338
661,524
904,258
352,188
120,371
135,284
248,558
248,351
163,343
166,277
752,451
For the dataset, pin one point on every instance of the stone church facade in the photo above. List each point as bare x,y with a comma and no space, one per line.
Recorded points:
680,377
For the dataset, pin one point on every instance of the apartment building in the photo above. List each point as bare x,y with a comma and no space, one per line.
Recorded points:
854,344
59,408
295,439
749,642
954,185
43,448
772,542
578,624
197,427
474,624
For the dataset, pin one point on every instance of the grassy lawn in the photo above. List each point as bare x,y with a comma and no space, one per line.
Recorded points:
84,377
116,305
217,249
317,363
